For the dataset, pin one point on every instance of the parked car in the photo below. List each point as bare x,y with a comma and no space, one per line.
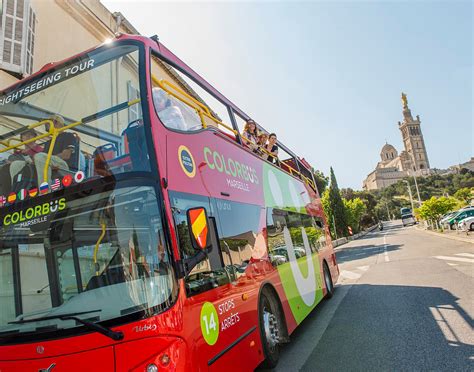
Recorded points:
462,214
467,224
447,216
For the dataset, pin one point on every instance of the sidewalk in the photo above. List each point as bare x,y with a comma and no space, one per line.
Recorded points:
337,244
451,235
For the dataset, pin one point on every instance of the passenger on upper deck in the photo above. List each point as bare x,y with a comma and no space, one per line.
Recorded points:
261,142
20,157
250,134
61,158
32,148
169,114
272,148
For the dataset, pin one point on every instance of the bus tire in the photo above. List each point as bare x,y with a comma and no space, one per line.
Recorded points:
328,281
271,327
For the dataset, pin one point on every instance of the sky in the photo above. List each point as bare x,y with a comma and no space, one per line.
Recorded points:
327,76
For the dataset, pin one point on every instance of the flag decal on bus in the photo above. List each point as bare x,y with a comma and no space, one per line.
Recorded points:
197,220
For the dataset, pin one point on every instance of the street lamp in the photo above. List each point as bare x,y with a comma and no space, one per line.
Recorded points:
414,177
409,193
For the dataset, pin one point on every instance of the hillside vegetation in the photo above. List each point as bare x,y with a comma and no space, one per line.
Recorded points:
365,208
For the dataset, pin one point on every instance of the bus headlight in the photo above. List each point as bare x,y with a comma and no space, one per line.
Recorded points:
151,368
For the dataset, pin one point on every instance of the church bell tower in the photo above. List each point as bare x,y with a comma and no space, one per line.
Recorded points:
413,138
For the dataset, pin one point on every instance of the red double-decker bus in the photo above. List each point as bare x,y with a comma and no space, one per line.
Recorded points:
139,231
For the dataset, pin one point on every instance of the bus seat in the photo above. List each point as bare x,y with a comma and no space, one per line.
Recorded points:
75,157
102,155
135,145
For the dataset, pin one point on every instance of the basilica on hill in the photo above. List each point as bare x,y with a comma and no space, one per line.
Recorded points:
394,166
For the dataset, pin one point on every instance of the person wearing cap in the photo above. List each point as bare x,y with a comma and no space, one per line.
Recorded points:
61,158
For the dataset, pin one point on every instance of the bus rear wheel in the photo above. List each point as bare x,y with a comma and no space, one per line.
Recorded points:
270,327
328,281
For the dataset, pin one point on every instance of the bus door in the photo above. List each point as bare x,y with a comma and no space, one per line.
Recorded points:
211,312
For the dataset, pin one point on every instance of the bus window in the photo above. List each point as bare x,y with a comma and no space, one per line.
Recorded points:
35,289
103,252
279,220
182,104
240,233
97,99
7,293
210,273
314,228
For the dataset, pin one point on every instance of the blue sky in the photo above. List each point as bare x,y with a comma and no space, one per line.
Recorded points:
327,76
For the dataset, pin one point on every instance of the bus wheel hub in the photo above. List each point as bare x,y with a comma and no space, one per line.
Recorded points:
270,324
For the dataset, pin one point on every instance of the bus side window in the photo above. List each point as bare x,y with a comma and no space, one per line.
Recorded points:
210,273
278,220
241,237
315,231
276,223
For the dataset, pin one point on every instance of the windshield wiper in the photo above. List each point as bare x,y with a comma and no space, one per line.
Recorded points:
114,335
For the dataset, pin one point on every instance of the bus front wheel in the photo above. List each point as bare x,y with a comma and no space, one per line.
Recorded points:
270,327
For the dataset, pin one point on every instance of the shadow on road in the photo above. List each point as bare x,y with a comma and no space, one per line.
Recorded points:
364,251
384,327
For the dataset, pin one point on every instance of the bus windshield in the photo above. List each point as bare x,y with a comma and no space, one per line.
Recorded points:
104,254
77,121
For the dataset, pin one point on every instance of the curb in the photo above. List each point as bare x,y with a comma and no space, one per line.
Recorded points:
448,236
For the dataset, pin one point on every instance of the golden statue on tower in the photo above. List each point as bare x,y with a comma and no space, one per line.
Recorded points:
404,100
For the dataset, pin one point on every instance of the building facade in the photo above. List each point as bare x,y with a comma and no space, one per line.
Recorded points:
393,166
34,33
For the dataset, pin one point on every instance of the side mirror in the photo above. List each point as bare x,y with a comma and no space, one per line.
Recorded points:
198,225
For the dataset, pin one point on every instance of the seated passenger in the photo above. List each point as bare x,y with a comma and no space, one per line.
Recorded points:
63,150
21,157
272,148
250,134
32,148
168,112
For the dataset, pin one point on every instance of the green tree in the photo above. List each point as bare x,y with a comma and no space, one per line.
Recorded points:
355,209
321,181
334,208
464,195
432,209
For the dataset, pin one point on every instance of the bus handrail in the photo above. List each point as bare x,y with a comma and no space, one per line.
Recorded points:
103,228
54,133
200,109
162,83
292,171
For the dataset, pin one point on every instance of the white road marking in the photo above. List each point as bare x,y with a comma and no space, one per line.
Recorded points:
465,255
349,274
450,258
451,264
385,253
363,268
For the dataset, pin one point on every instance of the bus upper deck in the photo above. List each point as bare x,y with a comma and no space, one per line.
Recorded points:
107,125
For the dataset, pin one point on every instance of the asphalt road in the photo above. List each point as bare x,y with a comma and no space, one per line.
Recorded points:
404,302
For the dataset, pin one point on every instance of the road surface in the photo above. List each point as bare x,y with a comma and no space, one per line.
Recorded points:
404,302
